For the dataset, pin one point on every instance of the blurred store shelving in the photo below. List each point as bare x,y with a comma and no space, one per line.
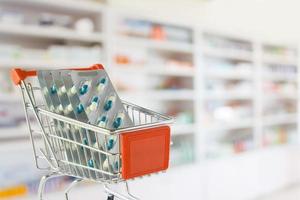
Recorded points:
228,94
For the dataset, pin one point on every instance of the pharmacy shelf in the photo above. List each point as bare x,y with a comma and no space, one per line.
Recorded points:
38,64
165,95
14,133
49,33
229,95
14,97
240,124
229,54
183,129
229,75
292,96
280,119
277,59
280,77
67,6
158,70
156,44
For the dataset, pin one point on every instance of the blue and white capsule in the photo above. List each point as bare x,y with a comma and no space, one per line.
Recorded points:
118,121
102,122
53,89
101,84
91,163
109,103
79,109
93,105
85,87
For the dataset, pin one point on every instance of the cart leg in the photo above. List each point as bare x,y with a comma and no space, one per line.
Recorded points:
112,194
128,191
110,197
43,182
75,182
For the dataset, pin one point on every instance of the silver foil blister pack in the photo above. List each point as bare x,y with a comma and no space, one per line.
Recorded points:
87,96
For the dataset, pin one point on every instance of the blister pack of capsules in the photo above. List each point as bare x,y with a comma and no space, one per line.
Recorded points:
87,96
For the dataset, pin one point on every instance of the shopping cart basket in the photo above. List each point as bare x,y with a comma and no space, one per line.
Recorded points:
143,148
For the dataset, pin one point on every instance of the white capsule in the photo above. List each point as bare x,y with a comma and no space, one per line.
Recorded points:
93,106
102,124
45,91
112,98
62,90
60,108
88,110
122,115
73,90
105,165
100,87
52,108
69,109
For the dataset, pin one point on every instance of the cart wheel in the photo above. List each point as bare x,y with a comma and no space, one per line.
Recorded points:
110,197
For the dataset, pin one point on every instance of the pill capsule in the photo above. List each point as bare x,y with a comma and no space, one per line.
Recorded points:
73,90
62,90
105,165
91,163
60,108
84,88
109,103
118,120
52,108
116,166
94,103
110,144
69,109
53,89
85,142
45,91
101,84
79,108
102,121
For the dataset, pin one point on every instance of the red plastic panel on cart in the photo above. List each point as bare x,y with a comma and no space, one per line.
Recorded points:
145,151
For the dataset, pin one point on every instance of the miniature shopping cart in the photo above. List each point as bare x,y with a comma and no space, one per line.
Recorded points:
143,148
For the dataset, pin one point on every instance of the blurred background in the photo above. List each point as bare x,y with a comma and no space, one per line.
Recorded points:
226,70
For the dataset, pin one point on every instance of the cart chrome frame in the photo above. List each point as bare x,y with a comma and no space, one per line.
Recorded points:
51,153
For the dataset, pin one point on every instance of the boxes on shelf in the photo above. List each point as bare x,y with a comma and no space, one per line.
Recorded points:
280,134
183,150
224,143
52,55
155,31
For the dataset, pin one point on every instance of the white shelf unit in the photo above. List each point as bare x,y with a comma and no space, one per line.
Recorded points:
226,65
27,44
164,71
272,71
279,80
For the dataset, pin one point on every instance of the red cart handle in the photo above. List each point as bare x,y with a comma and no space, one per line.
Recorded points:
18,74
